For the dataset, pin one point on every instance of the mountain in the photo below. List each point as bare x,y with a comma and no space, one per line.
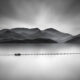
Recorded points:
28,33
8,35
33,35
49,33
56,35
38,40
75,39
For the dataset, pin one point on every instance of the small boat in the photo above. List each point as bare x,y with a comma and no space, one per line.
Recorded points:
17,54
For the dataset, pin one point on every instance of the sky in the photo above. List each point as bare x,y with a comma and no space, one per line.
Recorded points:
63,15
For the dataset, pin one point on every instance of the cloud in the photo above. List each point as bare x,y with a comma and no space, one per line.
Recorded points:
6,8
60,14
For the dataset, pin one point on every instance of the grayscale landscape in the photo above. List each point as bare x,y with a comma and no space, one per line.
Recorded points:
32,54
39,39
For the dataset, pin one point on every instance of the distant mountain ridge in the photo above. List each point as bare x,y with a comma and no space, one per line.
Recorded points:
75,39
34,34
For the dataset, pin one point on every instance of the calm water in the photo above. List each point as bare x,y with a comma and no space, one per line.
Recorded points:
8,49
46,67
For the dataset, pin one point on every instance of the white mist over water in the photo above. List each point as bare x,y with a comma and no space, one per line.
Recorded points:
11,49
39,67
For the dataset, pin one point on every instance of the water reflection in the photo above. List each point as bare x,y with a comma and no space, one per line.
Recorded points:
9,49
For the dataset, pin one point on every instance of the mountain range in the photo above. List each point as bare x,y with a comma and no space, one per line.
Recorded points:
75,39
34,35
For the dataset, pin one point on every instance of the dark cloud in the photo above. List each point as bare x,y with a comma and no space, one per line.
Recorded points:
74,8
63,6
6,8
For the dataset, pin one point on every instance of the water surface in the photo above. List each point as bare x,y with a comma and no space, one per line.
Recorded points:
39,67
7,49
